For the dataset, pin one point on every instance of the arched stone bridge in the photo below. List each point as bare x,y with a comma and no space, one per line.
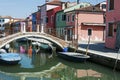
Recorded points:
10,38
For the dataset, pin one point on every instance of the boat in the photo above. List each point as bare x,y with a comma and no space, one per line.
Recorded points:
10,58
3,51
73,56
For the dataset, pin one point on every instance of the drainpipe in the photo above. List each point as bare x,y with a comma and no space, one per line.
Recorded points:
24,28
65,35
42,28
38,28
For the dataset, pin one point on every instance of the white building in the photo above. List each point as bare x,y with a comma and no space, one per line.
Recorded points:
102,5
4,20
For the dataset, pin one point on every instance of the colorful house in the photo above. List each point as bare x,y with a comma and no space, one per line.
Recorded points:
14,25
34,22
50,26
113,24
70,18
3,21
85,22
44,8
61,20
60,24
28,22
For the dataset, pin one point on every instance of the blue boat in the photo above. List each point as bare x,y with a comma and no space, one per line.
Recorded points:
73,56
10,58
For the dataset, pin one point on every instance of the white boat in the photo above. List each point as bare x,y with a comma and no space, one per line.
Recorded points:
3,51
10,58
36,43
73,56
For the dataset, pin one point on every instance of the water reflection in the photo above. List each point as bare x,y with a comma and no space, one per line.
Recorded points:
43,67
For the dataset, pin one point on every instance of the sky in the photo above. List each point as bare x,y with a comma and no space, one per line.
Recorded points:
23,8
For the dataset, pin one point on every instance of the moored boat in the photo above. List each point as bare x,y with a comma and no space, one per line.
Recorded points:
10,58
2,51
73,56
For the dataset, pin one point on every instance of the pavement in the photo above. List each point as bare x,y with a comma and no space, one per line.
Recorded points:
99,48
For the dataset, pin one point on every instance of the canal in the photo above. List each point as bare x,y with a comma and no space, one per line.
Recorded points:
42,66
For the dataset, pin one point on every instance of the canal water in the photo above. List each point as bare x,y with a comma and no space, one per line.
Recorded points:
42,66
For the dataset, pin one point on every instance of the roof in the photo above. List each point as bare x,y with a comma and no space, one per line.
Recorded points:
7,17
100,3
93,24
90,9
55,2
78,6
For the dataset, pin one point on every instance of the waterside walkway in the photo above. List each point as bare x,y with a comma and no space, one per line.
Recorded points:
101,55
98,48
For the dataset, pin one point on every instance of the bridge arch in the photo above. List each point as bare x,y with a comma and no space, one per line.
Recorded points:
10,38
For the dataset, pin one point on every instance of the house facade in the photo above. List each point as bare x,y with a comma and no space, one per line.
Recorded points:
38,15
50,21
44,8
14,26
60,24
113,24
34,21
70,19
3,21
28,22
85,22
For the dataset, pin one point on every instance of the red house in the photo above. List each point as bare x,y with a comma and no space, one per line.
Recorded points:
50,20
113,24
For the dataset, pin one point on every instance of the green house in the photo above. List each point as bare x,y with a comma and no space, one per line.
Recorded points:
60,24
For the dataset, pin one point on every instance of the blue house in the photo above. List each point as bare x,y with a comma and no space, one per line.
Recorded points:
34,22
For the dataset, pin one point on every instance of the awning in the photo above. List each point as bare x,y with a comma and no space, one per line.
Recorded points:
93,24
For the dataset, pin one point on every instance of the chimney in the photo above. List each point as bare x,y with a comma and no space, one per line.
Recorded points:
46,1
77,1
55,0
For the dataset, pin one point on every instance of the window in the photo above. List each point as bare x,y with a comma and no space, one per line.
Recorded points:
34,22
73,17
81,6
3,20
110,29
46,19
68,18
63,17
111,4
103,6
89,32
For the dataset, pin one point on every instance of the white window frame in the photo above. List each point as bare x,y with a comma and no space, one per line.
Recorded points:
72,18
68,18
63,15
